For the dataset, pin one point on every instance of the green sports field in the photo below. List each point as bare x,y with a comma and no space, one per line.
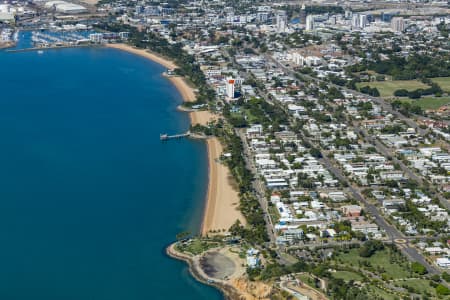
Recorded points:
444,83
387,88
429,102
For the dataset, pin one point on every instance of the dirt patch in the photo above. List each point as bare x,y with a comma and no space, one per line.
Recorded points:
252,290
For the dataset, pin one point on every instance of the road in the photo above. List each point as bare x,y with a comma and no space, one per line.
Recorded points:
391,231
355,191
260,192
381,148
258,186
294,293
383,104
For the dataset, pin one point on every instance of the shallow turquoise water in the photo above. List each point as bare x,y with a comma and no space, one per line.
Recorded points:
89,196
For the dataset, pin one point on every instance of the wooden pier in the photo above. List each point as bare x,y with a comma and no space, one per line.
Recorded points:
166,137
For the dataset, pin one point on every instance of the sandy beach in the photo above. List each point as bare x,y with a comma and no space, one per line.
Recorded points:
223,199
185,90
221,209
4,45
144,53
202,117
181,85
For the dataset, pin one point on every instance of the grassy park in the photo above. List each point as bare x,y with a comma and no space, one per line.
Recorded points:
385,262
418,286
347,276
429,102
444,83
387,88
196,246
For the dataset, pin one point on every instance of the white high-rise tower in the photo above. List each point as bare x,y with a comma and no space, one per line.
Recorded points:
309,23
230,87
398,24
281,19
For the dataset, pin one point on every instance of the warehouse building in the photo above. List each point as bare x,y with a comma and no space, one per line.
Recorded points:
65,7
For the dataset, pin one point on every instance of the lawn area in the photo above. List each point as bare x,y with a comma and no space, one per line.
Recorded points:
196,246
273,211
418,286
250,117
305,278
387,88
347,276
377,292
382,262
444,83
430,102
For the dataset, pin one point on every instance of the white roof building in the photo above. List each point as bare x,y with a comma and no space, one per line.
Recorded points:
443,262
65,7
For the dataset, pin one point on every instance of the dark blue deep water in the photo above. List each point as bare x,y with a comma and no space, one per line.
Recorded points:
89,196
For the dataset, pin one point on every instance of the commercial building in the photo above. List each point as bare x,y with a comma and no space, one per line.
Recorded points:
96,37
398,24
443,262
6,13
230,87
6,17
303,15
363,21
387,17
281,19
65,7
310,23
355,21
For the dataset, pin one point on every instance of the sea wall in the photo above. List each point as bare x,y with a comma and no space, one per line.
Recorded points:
229,292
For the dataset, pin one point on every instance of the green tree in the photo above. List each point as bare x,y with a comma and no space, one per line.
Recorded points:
418,268
442,290
370,247
182,235
315,153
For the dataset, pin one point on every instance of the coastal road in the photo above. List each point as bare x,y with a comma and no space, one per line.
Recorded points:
294,293
258,186
260,192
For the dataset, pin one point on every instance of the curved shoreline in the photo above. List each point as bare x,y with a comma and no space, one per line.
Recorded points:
7,45
195,270
187,92
221,200
188,95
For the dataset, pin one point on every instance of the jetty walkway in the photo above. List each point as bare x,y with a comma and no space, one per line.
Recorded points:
165,136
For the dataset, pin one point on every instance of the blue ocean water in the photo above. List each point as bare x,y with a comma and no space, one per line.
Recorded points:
89,196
